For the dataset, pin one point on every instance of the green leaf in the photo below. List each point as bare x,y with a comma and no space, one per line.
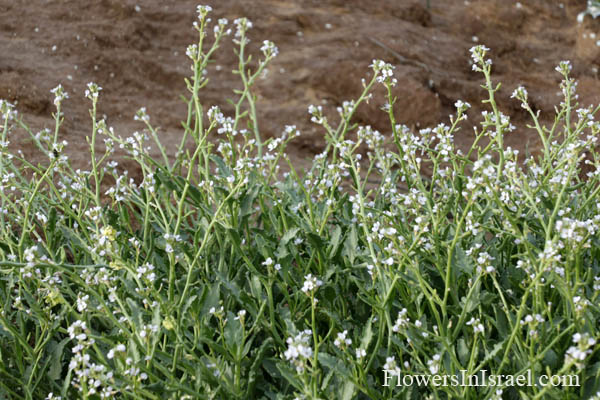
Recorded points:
316,241
289,375
473,301
52,220
289,235
256,287
329,361
256,365
56,355
247,201
335,366
486,298
462,263
351,245
551,359
367,335
334,241
501,322
212,299
136,315
282,250
348,390
263,245
224,170
492,353
189,302
234,335
167,180
231,287
463,351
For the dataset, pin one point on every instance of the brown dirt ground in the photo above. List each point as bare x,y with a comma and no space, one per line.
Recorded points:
136,52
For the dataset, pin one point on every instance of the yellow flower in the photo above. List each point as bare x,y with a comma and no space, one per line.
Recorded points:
54,297
169,323
117,264
109,232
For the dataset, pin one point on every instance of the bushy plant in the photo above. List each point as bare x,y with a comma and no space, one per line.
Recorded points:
221,276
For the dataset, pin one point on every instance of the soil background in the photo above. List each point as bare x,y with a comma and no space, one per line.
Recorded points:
135,50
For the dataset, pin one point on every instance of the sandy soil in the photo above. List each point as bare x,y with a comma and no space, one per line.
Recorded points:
136,51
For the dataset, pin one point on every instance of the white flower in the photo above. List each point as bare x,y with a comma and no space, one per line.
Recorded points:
92,91
120,348
299,349
59,95
311,283
477,325
82,303
269,49
391,366
240,315
268,262
462,105
583,346
342,340
384,71
528,319
142,115
564,67
401,321
521,94
30,255
203,11
242,25
434,364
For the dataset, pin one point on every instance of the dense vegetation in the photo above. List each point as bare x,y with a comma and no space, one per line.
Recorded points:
221,276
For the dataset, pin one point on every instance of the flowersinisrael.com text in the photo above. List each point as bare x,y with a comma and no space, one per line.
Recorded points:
483,378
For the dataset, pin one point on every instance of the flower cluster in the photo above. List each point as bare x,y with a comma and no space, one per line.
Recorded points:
531,322
299,350
92,91
242,26
170,242
146,271
575,231
120,348
342,340
269,49
476,324
384,72
391,366
311,284
583,347
59,95
269,262
401,321
7,110
93,377
434,364
521,94
478,54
